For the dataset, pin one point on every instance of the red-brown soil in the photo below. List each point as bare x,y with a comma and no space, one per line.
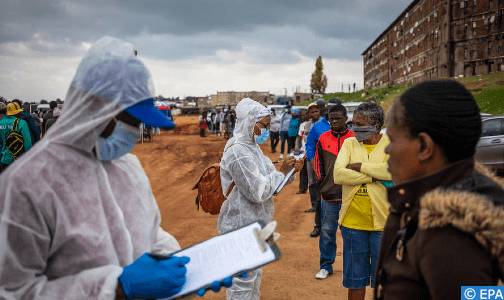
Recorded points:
173,163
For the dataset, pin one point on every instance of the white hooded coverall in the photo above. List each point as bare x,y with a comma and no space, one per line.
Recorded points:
69,222
256,179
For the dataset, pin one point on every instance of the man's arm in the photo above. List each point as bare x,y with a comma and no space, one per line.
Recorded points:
319,166
311,143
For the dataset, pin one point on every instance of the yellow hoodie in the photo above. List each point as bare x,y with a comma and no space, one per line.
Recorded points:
373,165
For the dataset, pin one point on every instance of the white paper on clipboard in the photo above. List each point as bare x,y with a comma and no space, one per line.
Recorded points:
223,256
284,181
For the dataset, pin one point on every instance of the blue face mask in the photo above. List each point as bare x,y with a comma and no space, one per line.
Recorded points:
119,143
261,139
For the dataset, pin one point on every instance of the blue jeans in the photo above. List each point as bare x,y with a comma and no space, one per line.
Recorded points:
327,241
284,136
360,255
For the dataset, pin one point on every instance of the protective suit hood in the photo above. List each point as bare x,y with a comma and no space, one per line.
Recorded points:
108,80
248,112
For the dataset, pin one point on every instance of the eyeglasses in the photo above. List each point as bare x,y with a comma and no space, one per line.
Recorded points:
267,126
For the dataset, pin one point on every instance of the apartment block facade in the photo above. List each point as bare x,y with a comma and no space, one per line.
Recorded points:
437,39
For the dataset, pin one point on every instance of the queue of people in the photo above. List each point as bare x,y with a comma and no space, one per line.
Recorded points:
78,219
218,121
419,219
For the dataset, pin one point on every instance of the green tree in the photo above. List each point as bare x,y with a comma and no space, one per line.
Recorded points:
318,79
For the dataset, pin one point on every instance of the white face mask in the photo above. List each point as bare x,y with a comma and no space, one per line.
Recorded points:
119,143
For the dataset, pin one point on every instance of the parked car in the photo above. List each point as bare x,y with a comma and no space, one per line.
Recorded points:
350,107
279,109
490,147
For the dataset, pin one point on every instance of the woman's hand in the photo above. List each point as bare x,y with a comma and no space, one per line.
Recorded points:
299,165
287,165
355,167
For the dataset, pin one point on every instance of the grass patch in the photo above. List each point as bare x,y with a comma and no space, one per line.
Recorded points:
488,90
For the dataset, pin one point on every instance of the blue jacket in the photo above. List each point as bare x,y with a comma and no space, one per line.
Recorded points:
314,135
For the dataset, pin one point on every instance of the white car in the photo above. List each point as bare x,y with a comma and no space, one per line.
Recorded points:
350,107
279,108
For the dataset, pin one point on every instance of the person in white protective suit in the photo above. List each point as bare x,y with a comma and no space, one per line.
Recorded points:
77,213
255,178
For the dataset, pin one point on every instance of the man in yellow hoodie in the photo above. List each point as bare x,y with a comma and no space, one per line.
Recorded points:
361,168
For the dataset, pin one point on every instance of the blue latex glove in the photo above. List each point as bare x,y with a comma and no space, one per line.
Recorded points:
149,278
216,285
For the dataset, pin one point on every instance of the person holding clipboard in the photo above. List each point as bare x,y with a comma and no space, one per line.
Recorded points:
254,179
81,221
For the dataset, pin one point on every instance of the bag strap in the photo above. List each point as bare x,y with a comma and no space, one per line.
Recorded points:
232,183
15,124
230,189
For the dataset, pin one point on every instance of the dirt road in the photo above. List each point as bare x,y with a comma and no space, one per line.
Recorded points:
173,163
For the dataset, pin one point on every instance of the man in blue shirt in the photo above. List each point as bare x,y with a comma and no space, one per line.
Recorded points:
284,130
311,146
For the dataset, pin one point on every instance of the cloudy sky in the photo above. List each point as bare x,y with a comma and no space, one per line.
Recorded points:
192,47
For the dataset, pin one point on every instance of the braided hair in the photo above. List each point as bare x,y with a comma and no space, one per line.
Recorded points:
446,111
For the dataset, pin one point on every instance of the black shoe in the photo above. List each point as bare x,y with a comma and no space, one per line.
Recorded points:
315,232
301,192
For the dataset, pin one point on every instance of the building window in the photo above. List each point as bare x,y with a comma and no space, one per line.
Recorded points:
465,30
474,5
490,47
499,49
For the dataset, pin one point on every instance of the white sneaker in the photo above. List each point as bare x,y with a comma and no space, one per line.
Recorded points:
281,156
322,274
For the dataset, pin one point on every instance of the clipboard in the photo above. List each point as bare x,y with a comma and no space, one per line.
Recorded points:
230,254
284,181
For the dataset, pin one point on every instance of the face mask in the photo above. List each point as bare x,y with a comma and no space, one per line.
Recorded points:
119,143
363,133
261,139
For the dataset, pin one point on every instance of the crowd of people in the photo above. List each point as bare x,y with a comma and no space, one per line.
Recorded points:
218,121
78,219
28,129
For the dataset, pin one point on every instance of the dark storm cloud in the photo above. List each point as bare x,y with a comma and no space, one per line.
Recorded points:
334,29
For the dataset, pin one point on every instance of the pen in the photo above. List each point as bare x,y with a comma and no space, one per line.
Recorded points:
159,256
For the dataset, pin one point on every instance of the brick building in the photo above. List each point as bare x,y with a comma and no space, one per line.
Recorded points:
435,39
232,98
301,97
